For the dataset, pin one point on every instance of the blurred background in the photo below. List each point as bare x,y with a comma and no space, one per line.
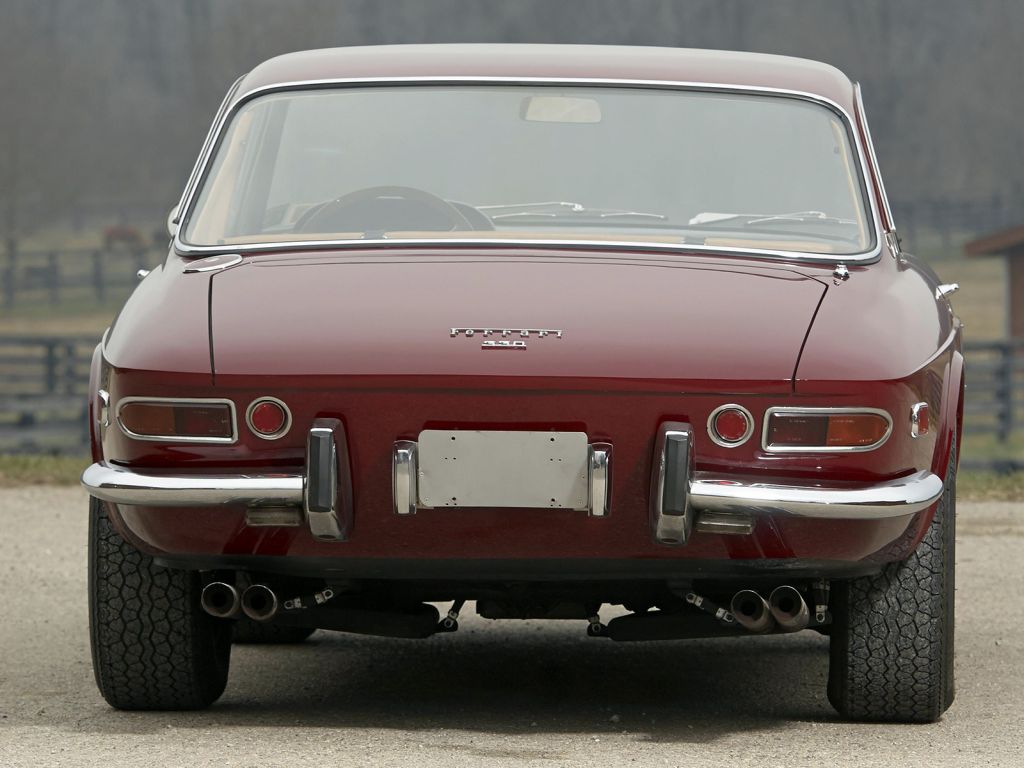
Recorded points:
104,105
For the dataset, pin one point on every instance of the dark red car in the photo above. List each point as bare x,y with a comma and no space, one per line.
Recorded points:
545,328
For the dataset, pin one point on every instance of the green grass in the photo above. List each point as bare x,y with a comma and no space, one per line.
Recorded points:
985,447
41,470
989,486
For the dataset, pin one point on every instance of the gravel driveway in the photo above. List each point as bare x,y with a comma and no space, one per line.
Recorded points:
495,693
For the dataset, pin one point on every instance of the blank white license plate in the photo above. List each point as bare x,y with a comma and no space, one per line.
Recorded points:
465,468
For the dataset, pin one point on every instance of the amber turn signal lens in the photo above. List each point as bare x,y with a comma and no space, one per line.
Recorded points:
825,430
177,420
855,430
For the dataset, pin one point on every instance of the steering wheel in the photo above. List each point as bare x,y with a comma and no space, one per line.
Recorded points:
380,209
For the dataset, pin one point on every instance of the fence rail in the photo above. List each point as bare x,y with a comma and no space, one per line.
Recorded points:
70,277
994,402
43,386
44,381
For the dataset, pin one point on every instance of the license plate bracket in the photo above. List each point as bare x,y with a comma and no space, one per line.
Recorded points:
495,468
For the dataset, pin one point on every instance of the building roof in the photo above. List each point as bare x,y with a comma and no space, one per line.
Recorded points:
1001,242
555,61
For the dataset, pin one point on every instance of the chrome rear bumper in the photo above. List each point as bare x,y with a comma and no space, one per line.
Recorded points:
123,486
721,504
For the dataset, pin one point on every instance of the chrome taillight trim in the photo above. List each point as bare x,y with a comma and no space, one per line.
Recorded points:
873,211
717,439
798,411
179,401
269,399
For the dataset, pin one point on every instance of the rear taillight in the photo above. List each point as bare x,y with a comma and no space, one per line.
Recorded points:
268,418
172,420
825,429
730,425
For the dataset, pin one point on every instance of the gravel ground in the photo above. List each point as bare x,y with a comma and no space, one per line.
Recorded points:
516,693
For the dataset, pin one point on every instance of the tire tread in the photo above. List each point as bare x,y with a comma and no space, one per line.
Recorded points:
152,645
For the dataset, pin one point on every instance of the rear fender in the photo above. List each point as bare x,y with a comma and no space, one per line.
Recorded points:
952,415
95,371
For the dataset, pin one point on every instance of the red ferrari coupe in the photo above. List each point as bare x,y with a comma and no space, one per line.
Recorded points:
544,328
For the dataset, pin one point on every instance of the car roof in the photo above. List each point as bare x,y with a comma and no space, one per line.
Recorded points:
601,62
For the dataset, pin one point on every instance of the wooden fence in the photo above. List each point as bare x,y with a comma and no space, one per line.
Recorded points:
43,388
71,278
994,402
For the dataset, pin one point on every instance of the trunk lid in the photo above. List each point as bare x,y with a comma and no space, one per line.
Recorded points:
694,324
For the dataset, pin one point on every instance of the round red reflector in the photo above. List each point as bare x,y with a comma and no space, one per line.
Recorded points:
268,418
730,425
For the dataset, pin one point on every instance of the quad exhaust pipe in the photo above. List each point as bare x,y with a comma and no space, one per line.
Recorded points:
785,610
789,609
221,600
259,602
751,611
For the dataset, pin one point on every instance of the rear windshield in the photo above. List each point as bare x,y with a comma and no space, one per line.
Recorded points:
538,163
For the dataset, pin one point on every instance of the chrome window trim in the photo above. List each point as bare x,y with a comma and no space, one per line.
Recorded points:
184,401
721,441
204,150
287,417
854,135
798,410
858,99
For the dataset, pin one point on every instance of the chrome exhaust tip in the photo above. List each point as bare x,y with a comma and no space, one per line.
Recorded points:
220,600
751,611
789,609
259,603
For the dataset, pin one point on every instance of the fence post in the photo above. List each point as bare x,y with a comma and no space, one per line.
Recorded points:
69,368
909,220
98,285
10,273
53,273
51,366
1004,393
943,211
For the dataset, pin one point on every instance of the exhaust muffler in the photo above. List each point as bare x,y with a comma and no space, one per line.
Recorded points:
259,603
220,600
751,611
789,609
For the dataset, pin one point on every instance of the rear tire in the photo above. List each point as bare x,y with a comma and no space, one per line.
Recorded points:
249,632
891,656
153,647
